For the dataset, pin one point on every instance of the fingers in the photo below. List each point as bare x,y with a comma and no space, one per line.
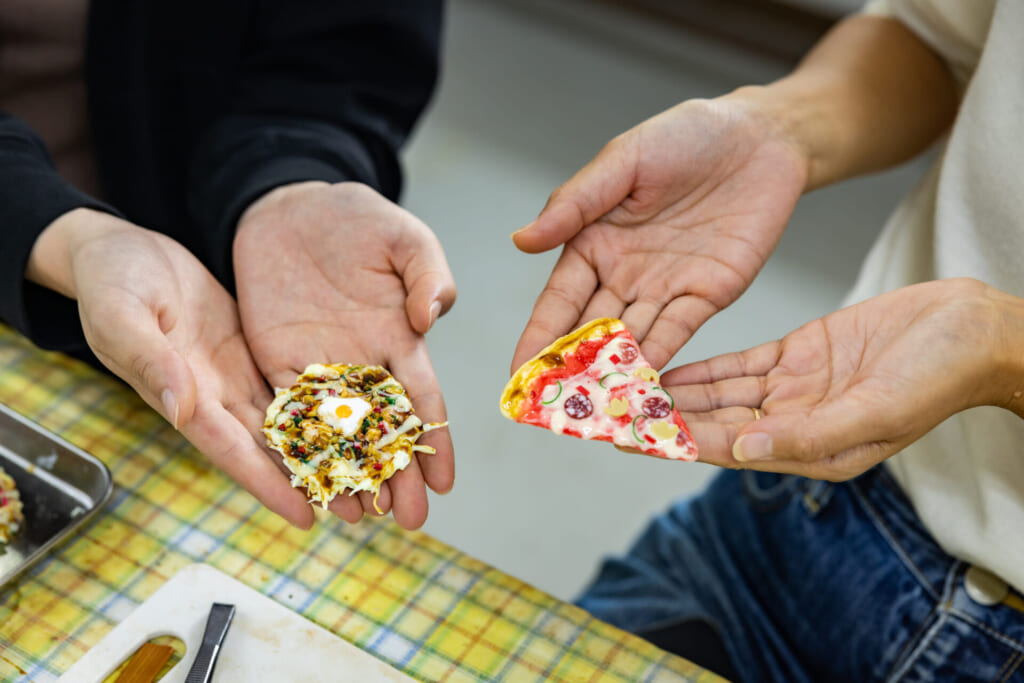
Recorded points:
414,370
126,335
749,392
229,445
830,428
673,327
594,191
409,496
750,363
428,281
348,508
383,501
604,304
559,306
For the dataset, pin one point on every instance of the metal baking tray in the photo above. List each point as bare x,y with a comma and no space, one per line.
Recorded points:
61,487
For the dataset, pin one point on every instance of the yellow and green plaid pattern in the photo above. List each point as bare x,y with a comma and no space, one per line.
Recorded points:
409,599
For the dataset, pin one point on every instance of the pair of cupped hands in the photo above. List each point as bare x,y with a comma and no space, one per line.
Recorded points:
667,226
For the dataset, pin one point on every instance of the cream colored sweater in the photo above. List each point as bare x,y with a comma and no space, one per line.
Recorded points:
966,218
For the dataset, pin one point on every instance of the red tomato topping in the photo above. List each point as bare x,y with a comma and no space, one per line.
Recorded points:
649,438
583,391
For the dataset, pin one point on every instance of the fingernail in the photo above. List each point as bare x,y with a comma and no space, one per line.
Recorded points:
756,446
170,406
435,312
521,230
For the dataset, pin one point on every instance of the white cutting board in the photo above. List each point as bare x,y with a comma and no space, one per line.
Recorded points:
266,641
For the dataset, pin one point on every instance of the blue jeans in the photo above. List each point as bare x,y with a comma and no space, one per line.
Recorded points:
768,577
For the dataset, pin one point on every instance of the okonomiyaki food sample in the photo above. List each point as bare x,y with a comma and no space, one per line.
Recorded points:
594,383
10,508
344,427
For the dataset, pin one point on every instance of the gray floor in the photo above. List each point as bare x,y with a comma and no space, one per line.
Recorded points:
529,94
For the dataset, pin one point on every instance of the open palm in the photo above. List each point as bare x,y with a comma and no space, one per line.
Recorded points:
844,392
338,274
669,224
153,314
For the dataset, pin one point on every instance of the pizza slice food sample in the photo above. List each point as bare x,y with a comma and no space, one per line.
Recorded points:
594,383
344,427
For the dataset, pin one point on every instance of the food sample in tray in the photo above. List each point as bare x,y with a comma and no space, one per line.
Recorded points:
10,508
594,383
344,427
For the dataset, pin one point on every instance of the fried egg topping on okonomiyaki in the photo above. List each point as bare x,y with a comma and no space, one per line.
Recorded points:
344,427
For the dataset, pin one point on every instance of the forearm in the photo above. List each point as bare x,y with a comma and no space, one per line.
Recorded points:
869,96
33,196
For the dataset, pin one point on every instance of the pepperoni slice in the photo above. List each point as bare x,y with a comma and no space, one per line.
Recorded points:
578,406
629,352
656,407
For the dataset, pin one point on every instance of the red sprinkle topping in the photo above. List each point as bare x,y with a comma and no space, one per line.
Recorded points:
583,391
301,449
641,391
294,413
332,392
615,359
376,409
649,438
321,378
282,427
377,466
383,427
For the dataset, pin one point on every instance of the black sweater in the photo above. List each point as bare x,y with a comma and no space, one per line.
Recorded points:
197,108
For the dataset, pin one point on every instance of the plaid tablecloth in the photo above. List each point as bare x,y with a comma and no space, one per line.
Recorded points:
411,600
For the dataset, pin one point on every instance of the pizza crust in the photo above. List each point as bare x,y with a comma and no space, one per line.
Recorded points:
551,357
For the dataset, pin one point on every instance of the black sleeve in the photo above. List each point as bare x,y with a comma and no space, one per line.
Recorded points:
32,196
325,90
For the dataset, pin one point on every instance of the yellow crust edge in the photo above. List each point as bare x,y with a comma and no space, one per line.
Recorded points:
514,393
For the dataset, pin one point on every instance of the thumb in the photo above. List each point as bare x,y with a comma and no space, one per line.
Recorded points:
595,190
130,342
834,428
428,282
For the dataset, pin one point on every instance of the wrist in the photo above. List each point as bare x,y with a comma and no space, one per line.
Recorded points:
52,259
273,198
790,119
1005,385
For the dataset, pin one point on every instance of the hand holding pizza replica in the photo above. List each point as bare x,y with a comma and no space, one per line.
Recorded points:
595,384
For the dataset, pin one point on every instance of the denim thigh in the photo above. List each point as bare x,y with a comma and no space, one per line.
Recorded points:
803,580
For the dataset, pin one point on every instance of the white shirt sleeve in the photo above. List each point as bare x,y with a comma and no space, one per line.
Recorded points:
955,29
